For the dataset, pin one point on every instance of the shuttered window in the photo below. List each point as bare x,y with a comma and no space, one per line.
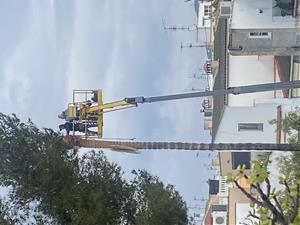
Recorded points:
250,127
260,34
240,158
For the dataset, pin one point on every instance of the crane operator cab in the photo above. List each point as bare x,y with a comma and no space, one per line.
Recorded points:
86,112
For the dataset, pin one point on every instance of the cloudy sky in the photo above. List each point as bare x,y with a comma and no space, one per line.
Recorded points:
49,48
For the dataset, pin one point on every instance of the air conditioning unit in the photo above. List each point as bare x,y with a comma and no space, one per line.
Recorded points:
219,217
219,220
225,9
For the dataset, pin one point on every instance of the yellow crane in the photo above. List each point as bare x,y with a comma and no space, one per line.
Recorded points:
87,107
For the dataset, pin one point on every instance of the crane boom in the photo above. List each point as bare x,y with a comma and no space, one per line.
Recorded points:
231,90
91,113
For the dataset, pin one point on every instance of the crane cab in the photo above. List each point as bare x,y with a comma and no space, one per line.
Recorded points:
80,110
87,110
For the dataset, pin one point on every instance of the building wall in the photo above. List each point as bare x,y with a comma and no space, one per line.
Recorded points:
263,111
280,42
242,210
261,16
208,218
203,20
247,70
235,196
284,106
212,199
246,15
226,162
228,128
296,76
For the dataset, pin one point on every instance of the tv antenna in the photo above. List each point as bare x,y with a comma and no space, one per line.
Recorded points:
188,28
175,28
198,76
200,199
191,45
192,89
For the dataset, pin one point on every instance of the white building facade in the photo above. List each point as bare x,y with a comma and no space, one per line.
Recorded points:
264,27
247,70
251,124
203,10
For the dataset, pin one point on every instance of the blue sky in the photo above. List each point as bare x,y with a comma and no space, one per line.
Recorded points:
49,48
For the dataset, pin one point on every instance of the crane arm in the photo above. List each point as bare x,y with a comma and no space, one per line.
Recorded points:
93,112
231,90
110,105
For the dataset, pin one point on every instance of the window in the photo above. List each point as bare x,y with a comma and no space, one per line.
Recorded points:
206,10
208,114
213,187
250,127
240,158
259,34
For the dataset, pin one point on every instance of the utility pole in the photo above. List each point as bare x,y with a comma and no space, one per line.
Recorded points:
134,146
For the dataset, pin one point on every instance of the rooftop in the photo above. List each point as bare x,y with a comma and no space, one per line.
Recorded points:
256,14
220,54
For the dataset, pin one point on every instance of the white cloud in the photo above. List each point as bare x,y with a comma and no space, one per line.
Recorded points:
119,46
134,61
17,78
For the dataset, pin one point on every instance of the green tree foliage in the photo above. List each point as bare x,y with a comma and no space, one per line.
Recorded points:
270,205
290,164
4,215
290,125
157,204
40,167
